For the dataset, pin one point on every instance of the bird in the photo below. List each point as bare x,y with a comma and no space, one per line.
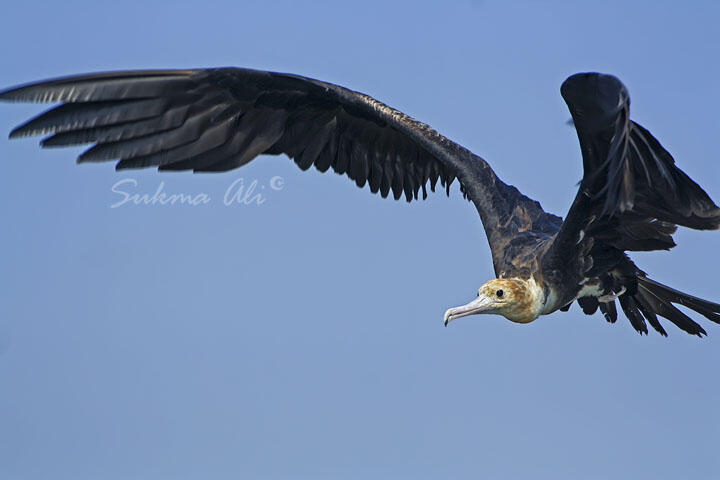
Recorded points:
632,196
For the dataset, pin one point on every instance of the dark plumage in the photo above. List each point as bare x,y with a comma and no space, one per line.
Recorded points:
632,196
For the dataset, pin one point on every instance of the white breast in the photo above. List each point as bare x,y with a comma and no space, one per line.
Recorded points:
593,290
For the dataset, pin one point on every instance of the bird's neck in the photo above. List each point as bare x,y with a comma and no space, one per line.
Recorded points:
530,305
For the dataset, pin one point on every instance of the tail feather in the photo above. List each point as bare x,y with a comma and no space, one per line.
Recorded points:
654,299
648,312
709,310
609,310
632,312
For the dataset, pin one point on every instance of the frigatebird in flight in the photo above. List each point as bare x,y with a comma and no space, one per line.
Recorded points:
631,198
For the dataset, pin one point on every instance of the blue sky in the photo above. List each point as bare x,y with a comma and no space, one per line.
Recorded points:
303,338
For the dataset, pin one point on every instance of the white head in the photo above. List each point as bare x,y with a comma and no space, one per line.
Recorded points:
518,300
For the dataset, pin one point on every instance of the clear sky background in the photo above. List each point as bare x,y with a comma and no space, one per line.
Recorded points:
303,338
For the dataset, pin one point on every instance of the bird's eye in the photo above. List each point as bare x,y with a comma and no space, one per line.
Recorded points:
499,293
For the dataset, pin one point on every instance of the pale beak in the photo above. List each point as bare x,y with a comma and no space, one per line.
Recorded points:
481,304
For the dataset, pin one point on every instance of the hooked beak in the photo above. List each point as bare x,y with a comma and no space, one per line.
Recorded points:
481,304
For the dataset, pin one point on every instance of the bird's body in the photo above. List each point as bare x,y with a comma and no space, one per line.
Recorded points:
632,196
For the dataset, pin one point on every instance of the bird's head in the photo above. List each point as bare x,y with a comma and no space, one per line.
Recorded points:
518,300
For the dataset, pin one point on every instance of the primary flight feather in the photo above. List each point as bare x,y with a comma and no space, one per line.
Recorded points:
632,196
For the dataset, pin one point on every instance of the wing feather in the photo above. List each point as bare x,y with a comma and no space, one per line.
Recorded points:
220,119
632,197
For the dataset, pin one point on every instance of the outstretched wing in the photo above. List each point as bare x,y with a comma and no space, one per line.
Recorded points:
632,197
211,120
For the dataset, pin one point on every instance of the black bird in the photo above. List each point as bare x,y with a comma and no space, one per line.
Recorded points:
632,196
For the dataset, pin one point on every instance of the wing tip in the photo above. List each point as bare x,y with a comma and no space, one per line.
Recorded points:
594,88
55,89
